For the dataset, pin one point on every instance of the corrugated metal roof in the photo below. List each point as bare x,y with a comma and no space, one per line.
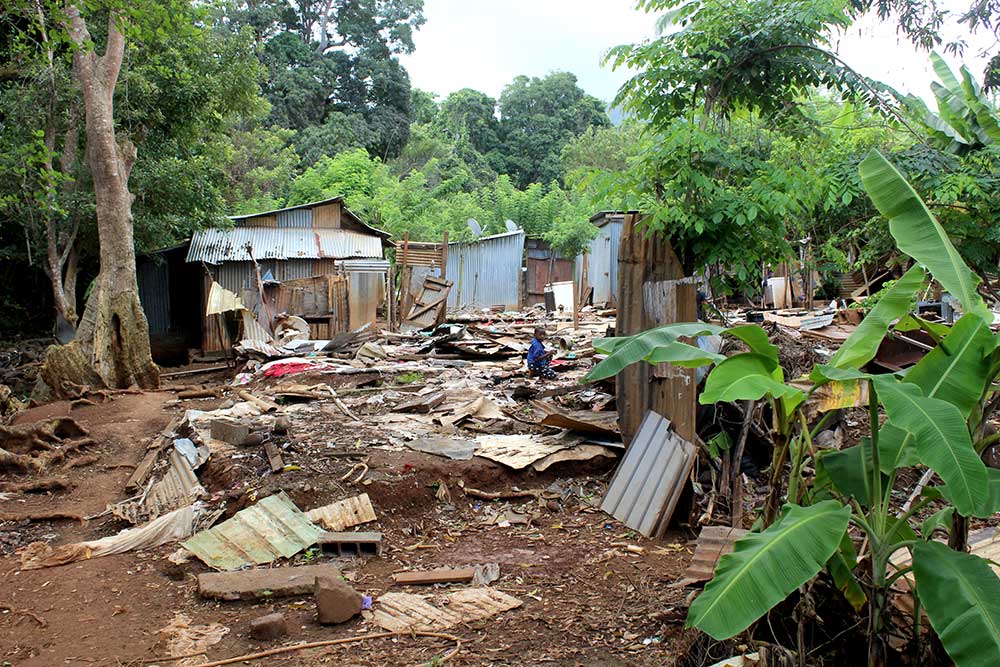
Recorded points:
271,529
215,246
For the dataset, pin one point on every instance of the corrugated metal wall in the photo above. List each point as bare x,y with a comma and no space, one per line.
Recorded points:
300,217
486,272
154,294
602,262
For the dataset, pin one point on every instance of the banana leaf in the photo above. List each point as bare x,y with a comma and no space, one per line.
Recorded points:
918,233
765,567
941,439
957,369
861,346
940,519
961,596
661,345
626,350
745,377
850,471
841,567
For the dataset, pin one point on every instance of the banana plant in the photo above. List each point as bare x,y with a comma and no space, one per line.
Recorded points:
935,416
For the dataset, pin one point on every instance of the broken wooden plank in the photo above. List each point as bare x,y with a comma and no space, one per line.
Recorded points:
145,466
424,403
598,423
403,612
263,583
274,457
441,575
343,514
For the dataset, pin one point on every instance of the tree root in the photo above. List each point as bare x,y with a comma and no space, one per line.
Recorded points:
31,447
38,486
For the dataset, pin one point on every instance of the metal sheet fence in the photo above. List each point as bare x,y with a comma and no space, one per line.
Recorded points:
486,272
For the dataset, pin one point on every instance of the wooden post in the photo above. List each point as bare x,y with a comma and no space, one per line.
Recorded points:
643,259
576,307
444,256
583,277
404,277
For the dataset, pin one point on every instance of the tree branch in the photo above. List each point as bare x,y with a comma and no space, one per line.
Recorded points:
111,61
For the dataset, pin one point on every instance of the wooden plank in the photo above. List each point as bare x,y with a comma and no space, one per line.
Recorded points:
672,389
444,256
344,513
441,575
274,457
145,466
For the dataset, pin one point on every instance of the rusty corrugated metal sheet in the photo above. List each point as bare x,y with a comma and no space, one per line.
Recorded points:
649,480
215,246
273,528
486,272
713,543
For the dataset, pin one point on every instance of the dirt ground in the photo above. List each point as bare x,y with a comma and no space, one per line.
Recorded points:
587,600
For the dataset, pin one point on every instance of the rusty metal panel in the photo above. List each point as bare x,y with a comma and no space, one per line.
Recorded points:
273,528
649,480
327,216
486,272
714,542
215,246
364,295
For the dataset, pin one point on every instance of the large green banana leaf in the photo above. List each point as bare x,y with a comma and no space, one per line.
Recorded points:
625,350
765,567
861,346
956,370
941,439
747,376
961,596
661,345
918,233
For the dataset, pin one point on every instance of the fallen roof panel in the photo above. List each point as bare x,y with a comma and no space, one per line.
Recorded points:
273,528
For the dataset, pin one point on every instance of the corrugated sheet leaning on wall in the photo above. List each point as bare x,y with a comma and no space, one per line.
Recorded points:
602,262
215,246
486,272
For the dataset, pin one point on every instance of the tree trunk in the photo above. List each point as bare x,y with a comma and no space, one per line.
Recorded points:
113,339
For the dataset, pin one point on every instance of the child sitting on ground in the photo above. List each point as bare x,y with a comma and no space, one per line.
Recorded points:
538,358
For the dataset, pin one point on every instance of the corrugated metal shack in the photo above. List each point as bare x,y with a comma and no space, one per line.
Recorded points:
316,239
486,272
602,258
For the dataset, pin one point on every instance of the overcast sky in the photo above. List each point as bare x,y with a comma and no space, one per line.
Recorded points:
483,45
